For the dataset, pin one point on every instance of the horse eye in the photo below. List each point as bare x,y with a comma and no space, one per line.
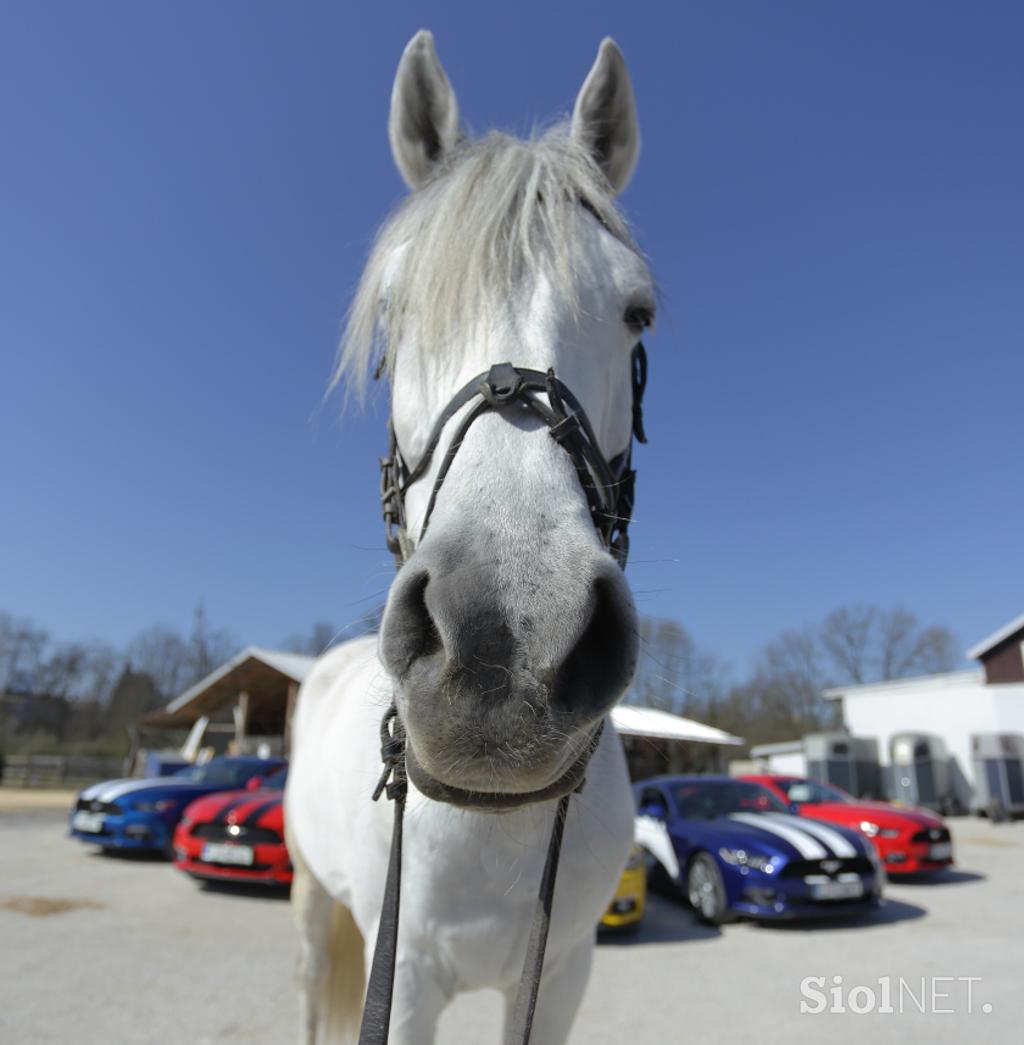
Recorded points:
638,317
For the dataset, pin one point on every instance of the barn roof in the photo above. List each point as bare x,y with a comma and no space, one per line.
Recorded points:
1004,633
263,673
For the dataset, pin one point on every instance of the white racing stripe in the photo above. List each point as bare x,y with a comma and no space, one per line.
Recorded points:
833,839
653,836
95,789
119,788
805,844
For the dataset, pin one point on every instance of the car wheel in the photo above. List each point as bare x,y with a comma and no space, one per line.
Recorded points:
706,891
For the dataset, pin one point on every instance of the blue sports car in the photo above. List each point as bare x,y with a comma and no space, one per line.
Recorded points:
142,814
733,848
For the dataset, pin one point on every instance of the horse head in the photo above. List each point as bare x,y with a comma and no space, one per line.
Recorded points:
509,631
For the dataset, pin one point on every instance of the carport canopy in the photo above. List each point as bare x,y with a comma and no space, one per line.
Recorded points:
652,722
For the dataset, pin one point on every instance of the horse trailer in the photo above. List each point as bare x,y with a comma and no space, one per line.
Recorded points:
920,773
848,762
998,773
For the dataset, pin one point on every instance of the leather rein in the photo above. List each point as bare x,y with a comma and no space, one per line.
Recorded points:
609,489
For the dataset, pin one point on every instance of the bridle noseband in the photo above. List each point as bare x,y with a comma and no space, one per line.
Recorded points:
609,488
608,485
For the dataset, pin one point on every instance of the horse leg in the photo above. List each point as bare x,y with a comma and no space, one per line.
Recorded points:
562,986
330,966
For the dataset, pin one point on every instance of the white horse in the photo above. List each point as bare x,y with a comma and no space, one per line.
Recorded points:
510,632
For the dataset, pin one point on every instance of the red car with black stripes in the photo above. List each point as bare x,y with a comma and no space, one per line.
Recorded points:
908,840
236,836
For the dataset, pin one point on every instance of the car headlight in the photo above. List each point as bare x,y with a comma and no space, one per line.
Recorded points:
741,858
159,806
871,829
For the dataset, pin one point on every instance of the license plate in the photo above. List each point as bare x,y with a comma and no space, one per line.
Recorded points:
91,823
837,890
223,853
940,851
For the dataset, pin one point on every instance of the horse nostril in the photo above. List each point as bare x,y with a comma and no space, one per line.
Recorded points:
600,665
409,631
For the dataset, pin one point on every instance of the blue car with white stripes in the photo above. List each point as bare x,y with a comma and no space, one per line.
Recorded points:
142,814
732,848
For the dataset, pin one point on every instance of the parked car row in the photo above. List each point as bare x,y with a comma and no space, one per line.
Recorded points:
143,814
767,847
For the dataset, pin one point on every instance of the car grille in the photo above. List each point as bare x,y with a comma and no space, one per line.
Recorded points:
833,867
242,869
231,833
931,834
92,806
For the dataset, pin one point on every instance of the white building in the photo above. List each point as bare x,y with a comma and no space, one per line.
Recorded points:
954,706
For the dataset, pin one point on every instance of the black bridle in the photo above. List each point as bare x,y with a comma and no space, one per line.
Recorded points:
608,485
609,488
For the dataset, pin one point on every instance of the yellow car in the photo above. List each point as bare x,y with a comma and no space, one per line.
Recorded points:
627,906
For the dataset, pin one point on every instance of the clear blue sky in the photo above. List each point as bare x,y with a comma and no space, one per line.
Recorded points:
831,195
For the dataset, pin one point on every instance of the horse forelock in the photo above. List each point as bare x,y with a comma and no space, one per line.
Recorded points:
497,213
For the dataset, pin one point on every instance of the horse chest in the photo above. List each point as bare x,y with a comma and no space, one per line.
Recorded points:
468,900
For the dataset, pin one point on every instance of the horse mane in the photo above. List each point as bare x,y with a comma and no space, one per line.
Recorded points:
497,210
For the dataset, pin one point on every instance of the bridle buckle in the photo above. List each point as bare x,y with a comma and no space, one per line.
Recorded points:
502,385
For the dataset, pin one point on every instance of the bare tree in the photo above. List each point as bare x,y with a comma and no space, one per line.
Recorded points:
317,640
174,662
60,673
133,695
853,645
99,673
673,673
866,644
782,699
21,652
846,637
208,647
323,635
163,655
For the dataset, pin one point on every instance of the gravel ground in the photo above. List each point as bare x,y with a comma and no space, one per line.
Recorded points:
108,949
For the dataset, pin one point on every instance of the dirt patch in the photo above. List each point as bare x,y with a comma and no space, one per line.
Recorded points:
43,906
32,800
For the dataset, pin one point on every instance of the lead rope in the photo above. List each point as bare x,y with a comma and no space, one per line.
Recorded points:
521,1023
376,1022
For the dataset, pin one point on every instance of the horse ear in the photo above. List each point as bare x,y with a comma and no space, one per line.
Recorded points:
424,121
604,117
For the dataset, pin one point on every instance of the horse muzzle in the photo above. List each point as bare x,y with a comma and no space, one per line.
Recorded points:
500,701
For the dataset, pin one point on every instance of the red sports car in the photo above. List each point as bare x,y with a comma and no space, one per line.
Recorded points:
908,840
236,836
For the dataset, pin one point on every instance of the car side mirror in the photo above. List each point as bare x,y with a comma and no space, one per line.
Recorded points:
254,783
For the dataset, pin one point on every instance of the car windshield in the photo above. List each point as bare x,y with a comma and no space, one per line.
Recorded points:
710,799
221,774
810,792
